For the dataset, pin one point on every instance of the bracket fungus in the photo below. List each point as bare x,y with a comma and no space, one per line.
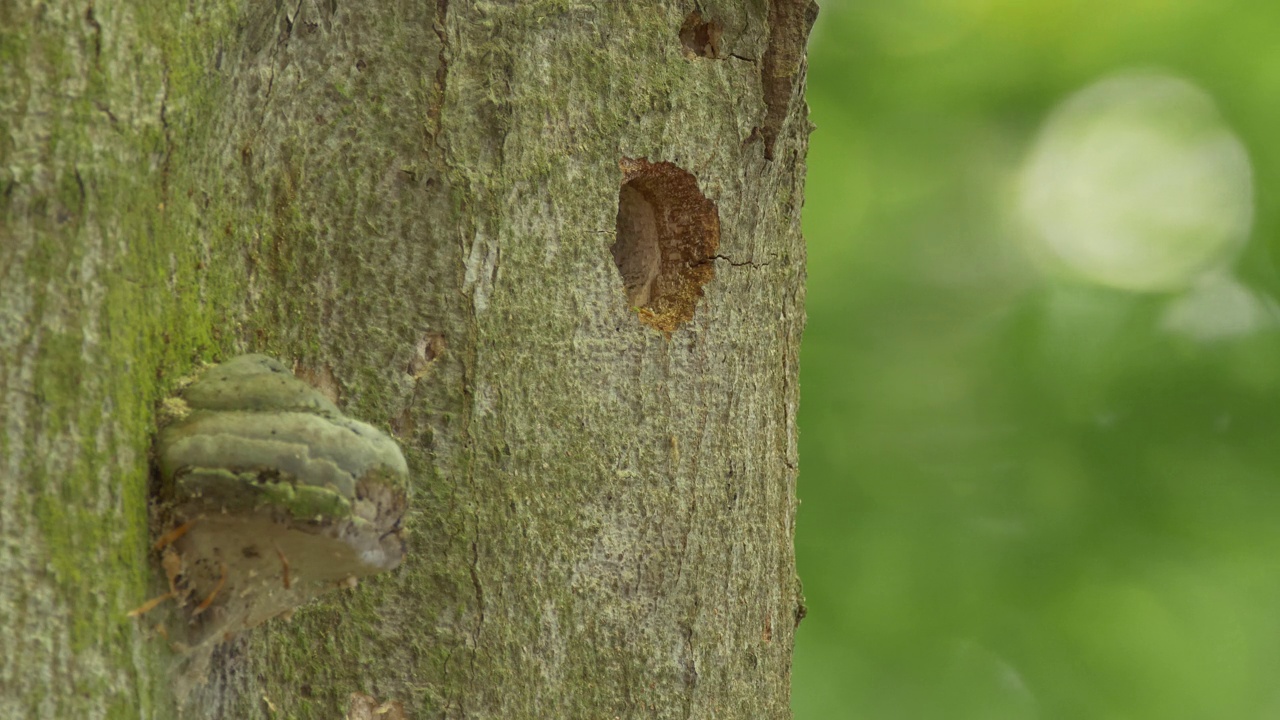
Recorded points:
271,496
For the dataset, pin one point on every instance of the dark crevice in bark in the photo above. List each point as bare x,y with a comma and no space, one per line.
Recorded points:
97,33
789,25
79,184
289,19
739,263
436,102
688,659
479,591
103,108
166,163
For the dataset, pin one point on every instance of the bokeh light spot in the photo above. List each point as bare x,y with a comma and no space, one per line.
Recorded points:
1219,308
1137,183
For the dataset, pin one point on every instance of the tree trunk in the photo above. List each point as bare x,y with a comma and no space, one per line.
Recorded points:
553,247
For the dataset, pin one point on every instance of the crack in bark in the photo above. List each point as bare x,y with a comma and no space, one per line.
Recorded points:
290,19
166,163
97,33
475,632
688,657
743,263
80,184
103,108
282,41
475,583
475,579
436,104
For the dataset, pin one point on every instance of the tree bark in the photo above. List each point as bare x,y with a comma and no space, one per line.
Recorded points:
417,205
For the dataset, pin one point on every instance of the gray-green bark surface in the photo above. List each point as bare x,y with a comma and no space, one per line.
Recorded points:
413,203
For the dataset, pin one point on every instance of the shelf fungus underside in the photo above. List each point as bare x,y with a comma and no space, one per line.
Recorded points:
271,496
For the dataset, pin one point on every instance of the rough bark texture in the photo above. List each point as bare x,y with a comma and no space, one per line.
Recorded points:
414,203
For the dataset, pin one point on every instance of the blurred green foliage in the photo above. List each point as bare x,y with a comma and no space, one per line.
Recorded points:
1022,495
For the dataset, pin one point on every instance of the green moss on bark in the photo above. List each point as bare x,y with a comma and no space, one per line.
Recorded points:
108,298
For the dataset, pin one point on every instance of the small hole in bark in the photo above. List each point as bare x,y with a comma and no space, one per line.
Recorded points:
429,347
701,37
667,236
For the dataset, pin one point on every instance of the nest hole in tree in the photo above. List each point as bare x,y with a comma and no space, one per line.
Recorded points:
668,234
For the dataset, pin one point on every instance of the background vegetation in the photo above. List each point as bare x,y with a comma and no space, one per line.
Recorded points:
1039,482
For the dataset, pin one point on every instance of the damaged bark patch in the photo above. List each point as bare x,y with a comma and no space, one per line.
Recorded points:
668,233
789,24
701,36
